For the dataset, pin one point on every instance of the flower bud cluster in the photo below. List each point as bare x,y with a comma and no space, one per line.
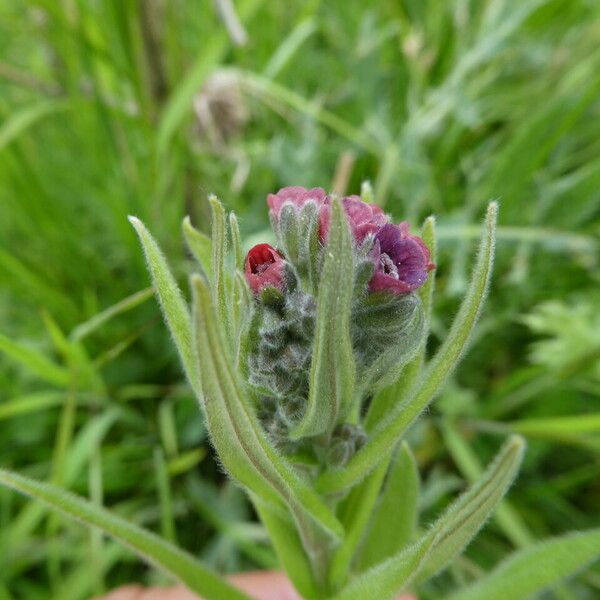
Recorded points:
386,324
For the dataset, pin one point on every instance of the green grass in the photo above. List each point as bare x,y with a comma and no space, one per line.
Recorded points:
442,105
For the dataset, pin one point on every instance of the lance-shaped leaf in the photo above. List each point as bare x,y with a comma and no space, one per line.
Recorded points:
384,401
332,370
464,518
235,430
386,580
529,572
355,514
151,548
174,307
448,536
391,429
200,245
289,549
394,521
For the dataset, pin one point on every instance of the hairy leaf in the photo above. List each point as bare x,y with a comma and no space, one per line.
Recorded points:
464,518
173,306
386,580
448,536
332,369
236,433
289,548
532,570
394,520
387,434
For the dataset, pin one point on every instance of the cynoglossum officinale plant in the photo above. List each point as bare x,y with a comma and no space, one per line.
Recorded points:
308,359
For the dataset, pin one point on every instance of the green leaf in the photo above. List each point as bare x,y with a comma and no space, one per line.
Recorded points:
387,434
386,580
355,514
200,246
236,433
532,570
35,362
154,550
394,520
509,520
289,549
173,306
464,518
332,371
448,536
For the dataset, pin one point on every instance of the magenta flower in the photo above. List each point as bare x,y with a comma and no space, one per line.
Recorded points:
296,196
363,218
403,260
264,268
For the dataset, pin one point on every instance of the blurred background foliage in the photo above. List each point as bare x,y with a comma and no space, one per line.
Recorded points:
112,107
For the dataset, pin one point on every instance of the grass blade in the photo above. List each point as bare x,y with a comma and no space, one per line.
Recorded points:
145,544
35,362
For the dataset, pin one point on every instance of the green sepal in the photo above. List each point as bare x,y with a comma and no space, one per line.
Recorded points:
298,235
236,242
390,431
219,256
332,371
388,329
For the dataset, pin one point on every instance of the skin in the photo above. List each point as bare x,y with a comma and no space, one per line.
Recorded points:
261,585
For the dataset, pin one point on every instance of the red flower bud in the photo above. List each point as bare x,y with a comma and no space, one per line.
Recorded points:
264,268
296,196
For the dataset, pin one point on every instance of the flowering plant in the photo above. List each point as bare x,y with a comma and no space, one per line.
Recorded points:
308,360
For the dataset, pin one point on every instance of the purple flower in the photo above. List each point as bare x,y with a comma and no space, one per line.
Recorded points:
296,196
403,260
363,218
264,268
